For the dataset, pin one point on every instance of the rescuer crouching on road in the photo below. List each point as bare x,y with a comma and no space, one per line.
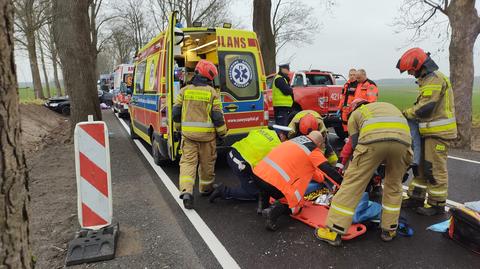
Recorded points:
244,156
286,172
379,134
282,95
307,121
435,113
199,110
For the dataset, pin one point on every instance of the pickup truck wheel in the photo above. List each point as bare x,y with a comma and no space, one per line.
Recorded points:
341,133
133,135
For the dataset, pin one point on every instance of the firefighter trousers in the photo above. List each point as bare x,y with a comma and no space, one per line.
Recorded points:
432,177
366,158
197,154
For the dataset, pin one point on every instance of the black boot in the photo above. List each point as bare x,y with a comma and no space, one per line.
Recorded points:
431,210
272,214
218,191
263,202
412,203
187,200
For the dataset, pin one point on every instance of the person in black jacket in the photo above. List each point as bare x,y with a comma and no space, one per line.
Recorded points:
282,95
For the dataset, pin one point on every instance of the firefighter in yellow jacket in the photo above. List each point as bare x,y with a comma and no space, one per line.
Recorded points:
379,134
307,121
435,113
199,110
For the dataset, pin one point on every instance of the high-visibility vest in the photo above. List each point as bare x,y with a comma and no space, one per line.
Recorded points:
290,167
257,145
278,98
348,95
367,90
197,104
380,121
442,122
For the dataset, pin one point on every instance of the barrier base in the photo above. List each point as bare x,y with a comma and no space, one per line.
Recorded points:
316,216
93,245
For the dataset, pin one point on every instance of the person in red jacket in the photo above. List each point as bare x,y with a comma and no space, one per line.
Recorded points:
348,94
286,172
366,88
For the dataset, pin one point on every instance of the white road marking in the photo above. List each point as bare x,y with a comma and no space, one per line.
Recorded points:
462,159
217,248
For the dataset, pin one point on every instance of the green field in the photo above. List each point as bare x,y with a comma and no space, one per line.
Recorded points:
28,96
404,96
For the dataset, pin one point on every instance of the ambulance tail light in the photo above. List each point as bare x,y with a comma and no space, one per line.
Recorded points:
163,122
265,115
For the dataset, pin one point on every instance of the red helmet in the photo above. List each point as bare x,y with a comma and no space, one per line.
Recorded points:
356,103
206,69
412,59
307,124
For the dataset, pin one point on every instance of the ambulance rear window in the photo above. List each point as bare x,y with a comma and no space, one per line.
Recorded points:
238,75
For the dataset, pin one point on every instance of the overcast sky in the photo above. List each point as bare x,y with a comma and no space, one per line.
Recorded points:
354,34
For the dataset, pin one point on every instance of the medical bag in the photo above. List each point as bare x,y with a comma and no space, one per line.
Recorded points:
465,228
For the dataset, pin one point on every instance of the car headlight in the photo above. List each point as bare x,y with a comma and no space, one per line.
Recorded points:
53,104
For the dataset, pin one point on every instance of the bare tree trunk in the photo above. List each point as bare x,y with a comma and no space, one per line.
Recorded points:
32,56
71,29
54,59
14,238
58,86
262,26
44,68
465,25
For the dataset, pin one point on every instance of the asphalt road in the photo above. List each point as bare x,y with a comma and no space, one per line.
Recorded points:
241,230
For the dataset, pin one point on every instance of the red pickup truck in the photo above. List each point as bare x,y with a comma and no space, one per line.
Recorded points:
315,90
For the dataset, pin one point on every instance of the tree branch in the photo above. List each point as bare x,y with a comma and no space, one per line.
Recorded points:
437,6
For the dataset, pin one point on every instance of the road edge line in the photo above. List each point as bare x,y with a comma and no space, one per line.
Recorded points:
216,247
462,159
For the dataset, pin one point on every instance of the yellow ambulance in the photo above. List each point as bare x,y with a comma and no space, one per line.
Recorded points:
167,63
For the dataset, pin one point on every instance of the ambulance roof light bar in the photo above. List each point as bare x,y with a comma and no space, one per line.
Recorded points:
227,25
197,24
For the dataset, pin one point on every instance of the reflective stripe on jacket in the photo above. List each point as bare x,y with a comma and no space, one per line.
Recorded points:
290,167
294,125
278,98
379,121
257,145
201,113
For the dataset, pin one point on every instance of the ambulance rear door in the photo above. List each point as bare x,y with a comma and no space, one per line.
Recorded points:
241,81
169,81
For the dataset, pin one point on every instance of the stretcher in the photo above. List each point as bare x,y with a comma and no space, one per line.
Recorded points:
316,216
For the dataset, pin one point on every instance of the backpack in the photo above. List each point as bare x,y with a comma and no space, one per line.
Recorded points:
465,228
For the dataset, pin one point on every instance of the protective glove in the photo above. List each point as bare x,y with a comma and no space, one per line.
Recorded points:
338,113
340,168
408,113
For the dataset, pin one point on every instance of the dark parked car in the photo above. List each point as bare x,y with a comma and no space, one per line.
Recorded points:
62,104
59,104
